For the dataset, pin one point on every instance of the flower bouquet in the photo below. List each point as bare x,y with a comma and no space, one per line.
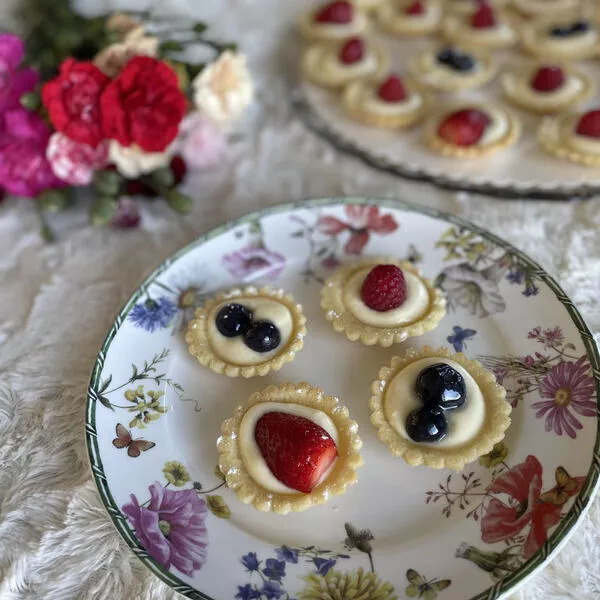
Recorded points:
116,109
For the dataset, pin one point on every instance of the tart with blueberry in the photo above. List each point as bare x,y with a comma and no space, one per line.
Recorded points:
409,17
247,332
471,130
438,409
336,20
546,88
390,103
574,137
334,66
452,69
289,447
381,301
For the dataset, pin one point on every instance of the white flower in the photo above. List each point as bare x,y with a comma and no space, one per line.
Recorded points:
113,58
223,89
201,143
132,161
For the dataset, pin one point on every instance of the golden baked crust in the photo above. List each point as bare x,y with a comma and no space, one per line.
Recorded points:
393,21
199,345
457,30
314,32
342,319
493,430
342,475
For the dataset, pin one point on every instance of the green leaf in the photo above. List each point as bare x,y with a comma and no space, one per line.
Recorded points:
104,385
107,183
194,69
217,507
103,210
135,371
106,402
232,47
218,473
163,177
30,101
199,27
179,202
53,200
170,46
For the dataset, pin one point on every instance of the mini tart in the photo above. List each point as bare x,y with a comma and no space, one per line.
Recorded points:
493,412
467,7
313,30
202,337
321,65
363,104
346,282
428,71
458,29
368,5
392,18
516,85
503,131
341,475
538,8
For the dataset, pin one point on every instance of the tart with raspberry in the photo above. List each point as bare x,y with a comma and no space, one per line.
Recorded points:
468,7
247,332
438,409
450,68
288,448
381,301
471,130
546,87
573,136
333,21
368,5
334,66
409,17
391,102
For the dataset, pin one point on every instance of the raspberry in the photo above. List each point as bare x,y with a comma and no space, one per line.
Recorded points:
483,17
336,12
464,127
392,90
548,79
384,288
589,124
416,8
352,51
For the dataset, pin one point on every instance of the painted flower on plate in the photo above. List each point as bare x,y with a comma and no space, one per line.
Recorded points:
287,554
274,569
567,388
153,314
354,584
254,261
495,456
171,527
459,337
247,592
323,565
175,473
272,590
250,561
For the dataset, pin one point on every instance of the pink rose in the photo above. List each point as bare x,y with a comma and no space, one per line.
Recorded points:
14,82
75,162
200,142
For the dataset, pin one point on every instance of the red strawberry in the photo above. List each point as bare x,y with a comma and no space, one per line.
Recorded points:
392,90
384,288
548,78
464,127
483,17
297,450
589,124
352,51
335,12
416,8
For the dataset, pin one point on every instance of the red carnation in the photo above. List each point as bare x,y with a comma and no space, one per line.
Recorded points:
72,100
143,105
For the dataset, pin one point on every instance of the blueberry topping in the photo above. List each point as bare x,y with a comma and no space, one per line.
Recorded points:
567,30
580,27
233,320
263,336
456,60
441,385
427,424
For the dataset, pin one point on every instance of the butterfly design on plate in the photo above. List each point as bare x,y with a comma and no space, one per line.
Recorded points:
566,486
134,447
459,337
419,587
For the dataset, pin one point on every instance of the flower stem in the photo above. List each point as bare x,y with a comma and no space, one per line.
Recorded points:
45,229
371,562
211,490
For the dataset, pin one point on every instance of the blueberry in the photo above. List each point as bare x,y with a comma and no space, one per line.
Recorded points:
441,385
233,320
580,27
560,31
463,62
427,424
262,337
455,60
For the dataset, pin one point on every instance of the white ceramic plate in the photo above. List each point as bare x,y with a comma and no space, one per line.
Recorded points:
404,531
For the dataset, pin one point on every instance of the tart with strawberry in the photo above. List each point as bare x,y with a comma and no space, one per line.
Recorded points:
247,332
546,87
472,130
391,102
574,137
333,21
381,301
334,66
409,17
289,447
438,409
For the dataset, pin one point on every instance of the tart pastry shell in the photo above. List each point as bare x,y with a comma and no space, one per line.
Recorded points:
319,33
552,135
457,32
546,50
395,23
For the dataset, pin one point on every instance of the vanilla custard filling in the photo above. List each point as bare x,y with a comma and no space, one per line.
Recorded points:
584,143
521,87
460,30
401,399
335,30
332,66
233,349
374,104
251,455
496,129
389,13
436,71
413,307
580,41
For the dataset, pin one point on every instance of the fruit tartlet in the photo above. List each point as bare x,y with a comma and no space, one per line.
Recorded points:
468,7
336,20
438,409
485,28
289,447
368,5
574,137
247,332
334,66
409,17
452,69
471,130
546,88
391,102
381,301
539,8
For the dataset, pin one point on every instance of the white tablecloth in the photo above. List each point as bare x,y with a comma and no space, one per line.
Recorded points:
57,301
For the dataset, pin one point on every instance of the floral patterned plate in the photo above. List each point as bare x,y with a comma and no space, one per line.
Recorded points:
153,416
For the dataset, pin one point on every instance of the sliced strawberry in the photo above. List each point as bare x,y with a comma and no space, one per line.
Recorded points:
297,451
352,51
335,12
416,8
392,89
589,124
464,127
483,17
548,78
384,288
